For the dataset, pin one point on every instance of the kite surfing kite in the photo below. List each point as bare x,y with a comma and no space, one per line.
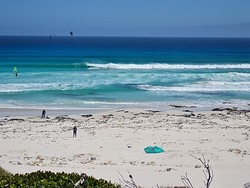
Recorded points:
51,36
153,149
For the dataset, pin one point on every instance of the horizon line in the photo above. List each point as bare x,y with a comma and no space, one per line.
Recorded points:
124,36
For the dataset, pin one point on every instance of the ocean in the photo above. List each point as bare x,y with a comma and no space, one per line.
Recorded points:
123,72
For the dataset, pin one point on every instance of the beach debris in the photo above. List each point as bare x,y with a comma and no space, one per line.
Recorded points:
16,119
93,158
129,146
133,162
87,115
236,151
63,119
108,116
154,111
189,115
222,109
234,111
182,106
128,183
151,163
246,185
208,172
197,166
188,111
81,180
168,170
153,149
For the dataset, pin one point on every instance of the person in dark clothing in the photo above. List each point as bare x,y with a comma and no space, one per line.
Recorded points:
74,131
43,113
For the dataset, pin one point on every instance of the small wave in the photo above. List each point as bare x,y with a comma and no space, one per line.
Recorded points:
225,84
167,66
68,65
105,102
14,88
53,65
241,74
193,88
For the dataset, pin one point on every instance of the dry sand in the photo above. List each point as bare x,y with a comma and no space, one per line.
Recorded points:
110,143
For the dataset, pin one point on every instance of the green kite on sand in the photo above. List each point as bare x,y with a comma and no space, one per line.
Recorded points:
155,149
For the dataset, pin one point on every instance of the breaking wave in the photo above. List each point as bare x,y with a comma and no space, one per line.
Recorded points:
168,66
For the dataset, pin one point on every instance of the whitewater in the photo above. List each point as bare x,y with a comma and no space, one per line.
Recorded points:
124,72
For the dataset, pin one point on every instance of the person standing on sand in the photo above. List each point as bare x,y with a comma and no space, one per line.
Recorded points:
74,131
43,113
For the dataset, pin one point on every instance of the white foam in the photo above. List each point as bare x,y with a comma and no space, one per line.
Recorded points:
6,88
168,66
110,103
197,88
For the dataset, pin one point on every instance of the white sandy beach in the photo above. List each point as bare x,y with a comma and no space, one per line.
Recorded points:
29,143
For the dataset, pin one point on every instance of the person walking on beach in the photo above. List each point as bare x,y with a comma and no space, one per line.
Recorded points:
43,113
74,131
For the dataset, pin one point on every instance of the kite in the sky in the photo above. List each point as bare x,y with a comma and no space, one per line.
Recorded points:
71,33
51,36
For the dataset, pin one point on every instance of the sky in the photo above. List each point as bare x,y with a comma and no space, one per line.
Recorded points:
154,18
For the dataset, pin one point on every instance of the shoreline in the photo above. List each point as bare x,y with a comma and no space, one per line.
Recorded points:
114,141
23,111
16,112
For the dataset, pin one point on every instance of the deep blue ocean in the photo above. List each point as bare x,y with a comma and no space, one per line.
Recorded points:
123,72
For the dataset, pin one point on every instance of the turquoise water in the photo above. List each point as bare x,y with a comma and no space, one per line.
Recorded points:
113,72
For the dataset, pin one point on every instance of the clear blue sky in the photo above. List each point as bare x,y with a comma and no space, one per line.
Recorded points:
177,18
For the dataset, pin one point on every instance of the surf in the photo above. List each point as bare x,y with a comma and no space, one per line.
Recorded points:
163,66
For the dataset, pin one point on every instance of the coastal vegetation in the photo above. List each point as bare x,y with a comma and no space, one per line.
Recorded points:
42,179
51,179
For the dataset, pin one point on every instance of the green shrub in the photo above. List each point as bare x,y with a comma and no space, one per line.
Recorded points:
46,179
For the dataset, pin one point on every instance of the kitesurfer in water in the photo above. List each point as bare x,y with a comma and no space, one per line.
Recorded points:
15,72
